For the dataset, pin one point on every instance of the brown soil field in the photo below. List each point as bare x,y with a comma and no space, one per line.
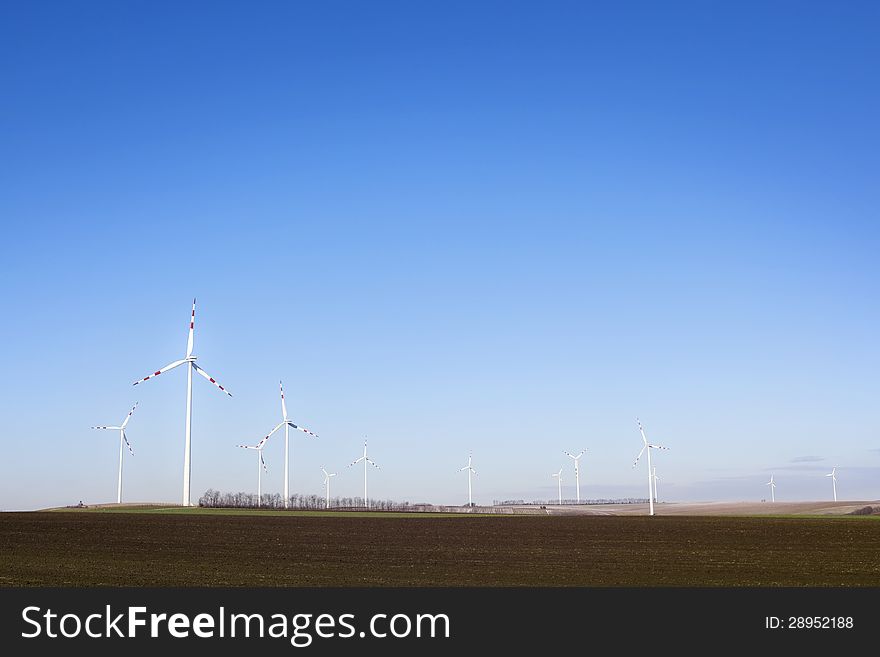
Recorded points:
148,549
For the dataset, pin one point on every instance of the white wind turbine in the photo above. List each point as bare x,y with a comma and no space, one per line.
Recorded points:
190,360
647,446
327,476
122,439
286,422
577,472
470,470
655,479
772,485
833,475
558,477
261,465
366,460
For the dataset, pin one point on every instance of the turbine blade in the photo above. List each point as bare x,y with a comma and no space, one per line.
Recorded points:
259,445
472,470
358,460
127,443
303,429
658,447
640,454
263,462
102,427
283,405
642,431
373,464
210,378
170,366
192,325
128,417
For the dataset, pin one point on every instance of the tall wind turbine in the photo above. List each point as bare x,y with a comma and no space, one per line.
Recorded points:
122,439
577,472
772,485
558,477
190,360
655,479
327,476
647,446
286,422
833,475
261,465
366,460
470,470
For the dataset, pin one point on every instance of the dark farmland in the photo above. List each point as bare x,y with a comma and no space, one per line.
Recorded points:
142,549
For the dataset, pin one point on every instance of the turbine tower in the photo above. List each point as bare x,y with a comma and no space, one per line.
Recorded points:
833,475
655,479
647,446
287,423
190,360
122,439
577,472
366,460
772,485
261,465
327,476
558,477
470,470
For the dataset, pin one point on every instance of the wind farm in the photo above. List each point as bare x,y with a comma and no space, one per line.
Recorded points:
625,528
506,263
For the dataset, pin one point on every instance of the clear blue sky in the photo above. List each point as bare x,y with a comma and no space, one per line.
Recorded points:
501,227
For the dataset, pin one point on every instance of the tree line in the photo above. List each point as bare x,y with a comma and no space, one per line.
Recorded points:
214,499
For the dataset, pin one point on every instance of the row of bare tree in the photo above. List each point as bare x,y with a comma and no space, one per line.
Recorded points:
216,500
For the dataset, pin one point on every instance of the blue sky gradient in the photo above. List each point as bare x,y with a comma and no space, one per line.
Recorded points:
501,227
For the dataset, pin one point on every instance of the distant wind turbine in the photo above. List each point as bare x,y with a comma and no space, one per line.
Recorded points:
772,485
577,472
287,423
833,475
558,477
261,465
122,439
647,446
655,478
190,360
470,470
327,476
366,460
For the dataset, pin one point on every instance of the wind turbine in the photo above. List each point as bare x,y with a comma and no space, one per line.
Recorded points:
558,477
469,471
190,360
577,472
772,485
261,465
366,460
122,439
327,476
647,446
655,478
833,475
286,422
